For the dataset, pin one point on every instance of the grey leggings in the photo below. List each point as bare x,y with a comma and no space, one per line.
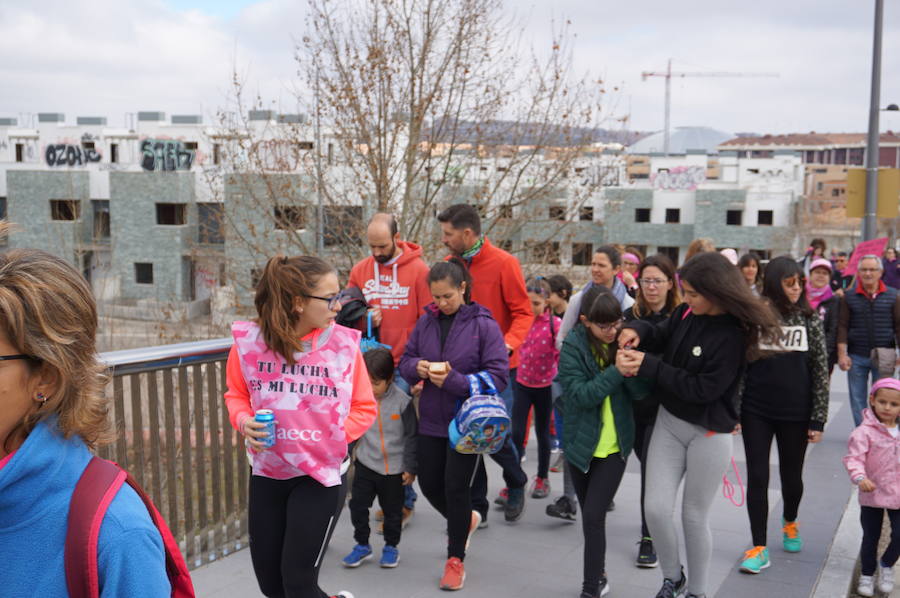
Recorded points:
681,450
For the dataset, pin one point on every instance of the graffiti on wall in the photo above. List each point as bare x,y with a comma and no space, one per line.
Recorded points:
597,175
165,155
679,178
68,154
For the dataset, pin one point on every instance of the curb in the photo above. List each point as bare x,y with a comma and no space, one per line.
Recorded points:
836,577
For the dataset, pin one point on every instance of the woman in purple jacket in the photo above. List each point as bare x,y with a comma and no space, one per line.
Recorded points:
463,336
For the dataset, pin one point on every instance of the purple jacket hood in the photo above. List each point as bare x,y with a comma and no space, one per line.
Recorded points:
474,343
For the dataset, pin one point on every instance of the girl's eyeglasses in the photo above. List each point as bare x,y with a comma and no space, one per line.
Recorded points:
17,356
604,328
334,302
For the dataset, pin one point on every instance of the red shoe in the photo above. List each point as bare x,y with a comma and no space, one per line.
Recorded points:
454,575
500,501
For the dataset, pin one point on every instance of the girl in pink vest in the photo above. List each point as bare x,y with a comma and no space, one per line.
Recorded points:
873,462
294,360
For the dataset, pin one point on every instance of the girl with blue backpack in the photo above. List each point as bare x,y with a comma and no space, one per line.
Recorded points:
598,424
452,339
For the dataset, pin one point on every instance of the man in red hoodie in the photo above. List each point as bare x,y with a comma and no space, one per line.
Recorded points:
394,281
498,284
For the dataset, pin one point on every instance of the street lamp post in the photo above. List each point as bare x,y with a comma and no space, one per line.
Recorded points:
870,221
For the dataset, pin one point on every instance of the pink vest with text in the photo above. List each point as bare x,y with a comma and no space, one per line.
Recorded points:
311,400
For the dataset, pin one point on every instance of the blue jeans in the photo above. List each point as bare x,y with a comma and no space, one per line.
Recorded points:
858,380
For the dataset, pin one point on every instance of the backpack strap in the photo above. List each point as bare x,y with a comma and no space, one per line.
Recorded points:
487,383
93,494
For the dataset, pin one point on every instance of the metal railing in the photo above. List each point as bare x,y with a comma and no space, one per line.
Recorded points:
173,435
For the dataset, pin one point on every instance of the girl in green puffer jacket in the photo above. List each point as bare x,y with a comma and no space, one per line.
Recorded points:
598,424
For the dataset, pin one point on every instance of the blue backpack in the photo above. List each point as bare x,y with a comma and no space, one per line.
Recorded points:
482,423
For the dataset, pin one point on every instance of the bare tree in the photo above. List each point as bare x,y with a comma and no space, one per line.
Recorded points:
423,103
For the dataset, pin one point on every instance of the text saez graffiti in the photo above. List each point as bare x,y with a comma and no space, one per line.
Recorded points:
165,155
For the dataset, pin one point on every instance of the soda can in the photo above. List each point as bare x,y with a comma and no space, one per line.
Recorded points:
267,416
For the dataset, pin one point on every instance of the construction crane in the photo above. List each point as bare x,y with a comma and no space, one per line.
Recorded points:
668,74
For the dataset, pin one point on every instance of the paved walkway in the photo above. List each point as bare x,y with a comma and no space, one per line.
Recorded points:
540,556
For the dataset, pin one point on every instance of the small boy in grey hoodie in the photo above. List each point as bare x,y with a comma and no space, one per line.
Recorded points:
385,463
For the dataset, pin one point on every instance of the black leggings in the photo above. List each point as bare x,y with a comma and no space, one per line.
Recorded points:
541,399
290,523
792,439
367,484
595,490
871,519
642,433
445,478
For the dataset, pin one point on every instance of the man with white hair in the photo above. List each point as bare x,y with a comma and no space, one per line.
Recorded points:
868,329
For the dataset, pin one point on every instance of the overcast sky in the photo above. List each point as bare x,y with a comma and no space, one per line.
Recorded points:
111,57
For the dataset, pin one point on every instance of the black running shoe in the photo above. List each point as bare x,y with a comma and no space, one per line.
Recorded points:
563,508
646,557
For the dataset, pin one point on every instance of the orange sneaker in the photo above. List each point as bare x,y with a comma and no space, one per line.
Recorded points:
454,575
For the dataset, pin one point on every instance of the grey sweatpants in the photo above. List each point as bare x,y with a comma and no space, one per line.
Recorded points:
681,450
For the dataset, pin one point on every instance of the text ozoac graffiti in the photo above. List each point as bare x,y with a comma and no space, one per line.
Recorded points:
679,178
165,154
67,154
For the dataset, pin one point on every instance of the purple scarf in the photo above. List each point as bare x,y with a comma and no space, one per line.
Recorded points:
817,296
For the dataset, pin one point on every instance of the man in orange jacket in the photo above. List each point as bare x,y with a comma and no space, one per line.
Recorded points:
498,284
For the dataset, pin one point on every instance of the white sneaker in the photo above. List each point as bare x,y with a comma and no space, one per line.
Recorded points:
885,579
866,585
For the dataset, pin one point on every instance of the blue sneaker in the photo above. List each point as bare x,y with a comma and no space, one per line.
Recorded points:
390,557
356,557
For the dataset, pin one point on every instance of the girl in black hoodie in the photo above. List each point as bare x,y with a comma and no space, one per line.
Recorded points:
704,346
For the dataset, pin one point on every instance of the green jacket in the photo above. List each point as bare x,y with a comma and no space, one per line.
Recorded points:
584,389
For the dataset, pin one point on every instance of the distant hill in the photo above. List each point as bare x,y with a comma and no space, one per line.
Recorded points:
502,132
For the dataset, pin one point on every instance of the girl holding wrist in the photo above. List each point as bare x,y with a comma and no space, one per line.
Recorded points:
598,423
294,360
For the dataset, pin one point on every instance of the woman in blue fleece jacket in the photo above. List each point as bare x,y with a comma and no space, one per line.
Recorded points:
52,410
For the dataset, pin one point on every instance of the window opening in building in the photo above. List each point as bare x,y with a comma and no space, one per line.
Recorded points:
586,213
673,215
343,224
557,212
20,152
216,153
545,253
171,214
101,219
143,273
114,153
88,145
65,209
290,217
734,217
642,215
305,145
210,225
582,254
764,218
190,146
669,252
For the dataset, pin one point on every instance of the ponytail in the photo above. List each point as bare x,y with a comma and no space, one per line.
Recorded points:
284,279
